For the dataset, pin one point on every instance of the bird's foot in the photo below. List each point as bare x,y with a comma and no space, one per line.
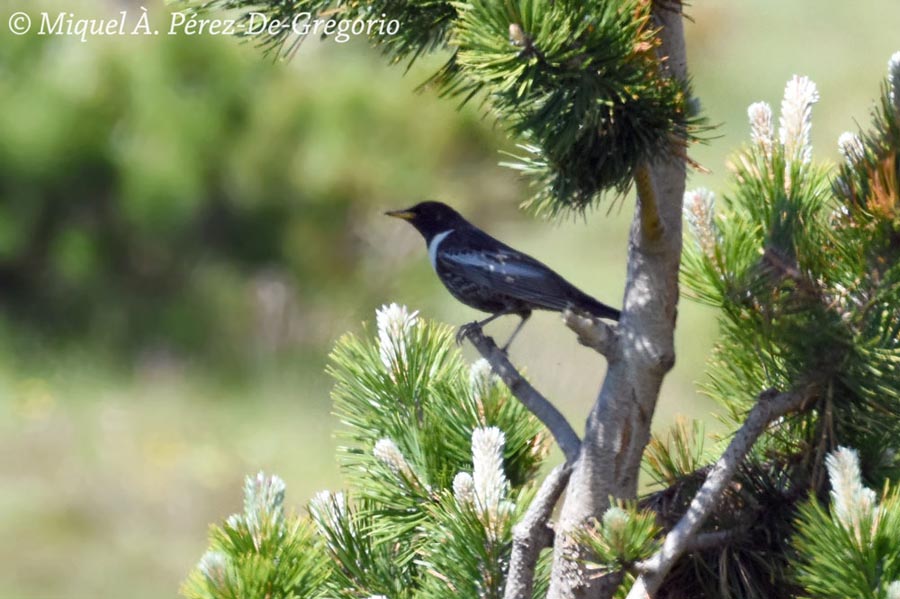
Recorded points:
465,329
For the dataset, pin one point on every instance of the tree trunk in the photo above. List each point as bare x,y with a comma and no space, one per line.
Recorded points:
618,427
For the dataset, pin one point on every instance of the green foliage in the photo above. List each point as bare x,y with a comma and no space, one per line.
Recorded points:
409,409
800,309
754,520
182,197
750,562
140,206
360,566
578,84
751,559
476,568
849,549
441,461
868,189
424,24
678,455
623,537
867,184
260,553
412,387
804,272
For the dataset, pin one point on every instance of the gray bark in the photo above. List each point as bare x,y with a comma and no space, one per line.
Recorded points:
537,404
618,427
769,406
532,534
593,333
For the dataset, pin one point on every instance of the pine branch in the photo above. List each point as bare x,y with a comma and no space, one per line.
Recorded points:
594,333
262,550
546,412
769,406
532,534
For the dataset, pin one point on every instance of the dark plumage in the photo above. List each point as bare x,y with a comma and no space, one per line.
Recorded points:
490,276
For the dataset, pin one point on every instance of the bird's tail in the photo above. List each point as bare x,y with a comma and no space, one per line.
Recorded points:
596,308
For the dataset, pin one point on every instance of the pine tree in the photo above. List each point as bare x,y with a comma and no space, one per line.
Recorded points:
802,264
442,462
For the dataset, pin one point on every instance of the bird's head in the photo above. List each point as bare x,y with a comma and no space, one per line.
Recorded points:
431,218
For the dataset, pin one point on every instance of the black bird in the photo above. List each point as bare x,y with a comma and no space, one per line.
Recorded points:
490,276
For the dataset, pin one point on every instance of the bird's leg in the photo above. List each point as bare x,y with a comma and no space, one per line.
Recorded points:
524,316
478,324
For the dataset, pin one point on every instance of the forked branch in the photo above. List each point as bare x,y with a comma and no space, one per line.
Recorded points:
770,405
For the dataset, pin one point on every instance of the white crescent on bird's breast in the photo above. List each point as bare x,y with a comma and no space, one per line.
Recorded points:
433,247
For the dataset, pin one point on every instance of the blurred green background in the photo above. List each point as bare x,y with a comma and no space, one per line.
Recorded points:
186,227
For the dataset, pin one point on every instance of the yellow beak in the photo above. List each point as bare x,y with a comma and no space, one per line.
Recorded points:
404,214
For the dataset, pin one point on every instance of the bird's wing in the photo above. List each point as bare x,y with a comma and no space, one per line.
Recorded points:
506,271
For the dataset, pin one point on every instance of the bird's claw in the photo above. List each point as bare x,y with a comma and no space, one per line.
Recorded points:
464,331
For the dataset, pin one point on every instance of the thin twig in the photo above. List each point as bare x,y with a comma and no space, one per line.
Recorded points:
532,534
545,411
769,406
594,333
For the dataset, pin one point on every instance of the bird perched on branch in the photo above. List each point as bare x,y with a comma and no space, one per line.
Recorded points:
490,276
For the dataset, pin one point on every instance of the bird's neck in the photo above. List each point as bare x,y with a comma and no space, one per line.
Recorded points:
434,243
430,234
431,229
